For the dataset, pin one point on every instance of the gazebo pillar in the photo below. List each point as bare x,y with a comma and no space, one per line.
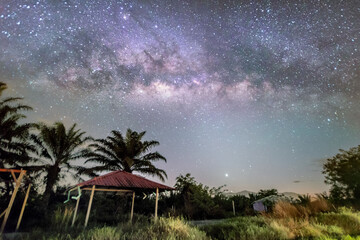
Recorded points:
89,207
132,207
75,211
156,203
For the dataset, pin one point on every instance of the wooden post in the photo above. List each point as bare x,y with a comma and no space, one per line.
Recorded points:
156,204
75,211
13,175
132,207
23,207
2,214
233,204
17,185
89,207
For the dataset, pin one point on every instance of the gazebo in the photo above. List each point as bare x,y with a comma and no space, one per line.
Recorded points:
118,181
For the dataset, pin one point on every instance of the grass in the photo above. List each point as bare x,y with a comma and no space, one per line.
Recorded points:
244,228
164,228
287,221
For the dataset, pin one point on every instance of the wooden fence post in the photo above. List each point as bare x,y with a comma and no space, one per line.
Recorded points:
233,205
156,203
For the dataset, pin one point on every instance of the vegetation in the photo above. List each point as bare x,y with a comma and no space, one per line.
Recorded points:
334,225
196,201
341,224
342,173
57,148
164,228
14,146
129,154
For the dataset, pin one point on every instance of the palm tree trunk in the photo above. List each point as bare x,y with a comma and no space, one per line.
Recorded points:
52,177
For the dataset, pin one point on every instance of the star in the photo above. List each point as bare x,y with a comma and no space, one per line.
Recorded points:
217,84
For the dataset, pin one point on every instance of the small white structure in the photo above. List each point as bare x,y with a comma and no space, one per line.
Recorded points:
263,204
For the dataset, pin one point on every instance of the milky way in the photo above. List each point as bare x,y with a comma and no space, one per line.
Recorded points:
252,94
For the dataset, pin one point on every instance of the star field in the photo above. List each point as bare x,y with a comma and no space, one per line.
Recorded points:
252,94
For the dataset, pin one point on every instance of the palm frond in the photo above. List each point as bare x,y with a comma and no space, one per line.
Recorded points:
127,154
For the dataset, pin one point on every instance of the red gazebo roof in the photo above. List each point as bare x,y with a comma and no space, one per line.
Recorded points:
124,180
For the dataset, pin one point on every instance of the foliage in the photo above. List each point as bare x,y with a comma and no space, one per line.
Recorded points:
197,201
334,225
299,210
164,228
347,219
243,228
130,154
243,204
342,172
266,193
304,199
14,146
57,148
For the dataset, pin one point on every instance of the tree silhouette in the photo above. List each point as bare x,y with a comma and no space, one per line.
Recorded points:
57,148
14,146
342,172
129,154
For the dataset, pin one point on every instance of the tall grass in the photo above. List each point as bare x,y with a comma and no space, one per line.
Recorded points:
345,218
163,229
312,220
287,221
304,211
61,219
245,228
283,228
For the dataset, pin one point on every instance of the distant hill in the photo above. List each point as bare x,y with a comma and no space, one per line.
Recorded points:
246,194
291,194
242,193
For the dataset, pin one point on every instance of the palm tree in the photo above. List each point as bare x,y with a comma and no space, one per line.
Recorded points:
129,154
57,148
13,135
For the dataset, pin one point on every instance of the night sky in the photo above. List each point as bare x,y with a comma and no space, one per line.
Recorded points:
251,94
